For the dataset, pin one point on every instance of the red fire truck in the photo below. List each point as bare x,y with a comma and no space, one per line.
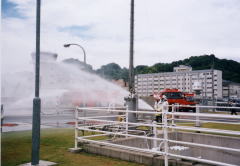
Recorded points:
175,96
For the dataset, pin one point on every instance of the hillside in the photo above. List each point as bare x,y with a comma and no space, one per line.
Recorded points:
230,68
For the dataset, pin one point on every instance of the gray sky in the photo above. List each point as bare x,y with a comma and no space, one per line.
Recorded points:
165,30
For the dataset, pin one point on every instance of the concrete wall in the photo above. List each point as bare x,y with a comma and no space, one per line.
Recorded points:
193,151
133,156
207,153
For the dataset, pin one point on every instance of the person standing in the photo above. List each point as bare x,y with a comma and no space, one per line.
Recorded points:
158,109
233,110
159,106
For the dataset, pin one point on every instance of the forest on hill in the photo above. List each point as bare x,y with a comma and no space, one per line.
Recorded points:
230,68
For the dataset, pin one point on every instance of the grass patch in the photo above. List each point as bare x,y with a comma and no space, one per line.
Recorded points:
16,149
143,128
233,127
217,112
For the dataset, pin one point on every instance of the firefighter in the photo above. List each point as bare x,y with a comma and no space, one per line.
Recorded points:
159,106
165,101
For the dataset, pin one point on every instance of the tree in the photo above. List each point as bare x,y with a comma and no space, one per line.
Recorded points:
110,71
79,64
230,68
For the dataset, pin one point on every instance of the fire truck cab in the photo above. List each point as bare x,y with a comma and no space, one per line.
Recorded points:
174,96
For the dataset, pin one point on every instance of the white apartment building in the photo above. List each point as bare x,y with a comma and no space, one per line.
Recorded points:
231,89
183,78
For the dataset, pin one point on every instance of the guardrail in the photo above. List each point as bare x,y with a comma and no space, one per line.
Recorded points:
167,125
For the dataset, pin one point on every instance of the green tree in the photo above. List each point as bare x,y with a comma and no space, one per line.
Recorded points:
230,68
110,71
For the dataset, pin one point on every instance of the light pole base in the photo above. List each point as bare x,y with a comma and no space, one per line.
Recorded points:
41,163
131,102
75,150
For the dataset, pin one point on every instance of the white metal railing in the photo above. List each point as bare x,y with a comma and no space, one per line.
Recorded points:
167,123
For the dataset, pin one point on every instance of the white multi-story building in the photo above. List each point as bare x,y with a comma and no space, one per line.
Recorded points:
231,89
183,78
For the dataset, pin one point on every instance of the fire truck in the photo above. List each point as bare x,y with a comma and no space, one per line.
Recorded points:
175,96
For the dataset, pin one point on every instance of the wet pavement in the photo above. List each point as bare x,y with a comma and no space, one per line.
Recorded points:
47,121
64,119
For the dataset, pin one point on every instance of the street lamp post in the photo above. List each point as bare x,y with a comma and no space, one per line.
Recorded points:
131,55
36,100
131,101
84,52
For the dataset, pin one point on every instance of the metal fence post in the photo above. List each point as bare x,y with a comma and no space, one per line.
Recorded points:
84,121
57,111
126,120
165,133
76,128
173,110
155,135
197,123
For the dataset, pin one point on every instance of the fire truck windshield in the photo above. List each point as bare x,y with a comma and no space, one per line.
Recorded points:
173,95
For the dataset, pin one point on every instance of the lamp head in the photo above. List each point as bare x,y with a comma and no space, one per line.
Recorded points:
66,45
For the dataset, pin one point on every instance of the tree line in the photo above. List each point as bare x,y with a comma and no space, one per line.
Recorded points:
230,68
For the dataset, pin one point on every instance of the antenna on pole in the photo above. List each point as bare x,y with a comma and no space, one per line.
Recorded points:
131,68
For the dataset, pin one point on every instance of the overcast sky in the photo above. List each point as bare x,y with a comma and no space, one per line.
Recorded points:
165,30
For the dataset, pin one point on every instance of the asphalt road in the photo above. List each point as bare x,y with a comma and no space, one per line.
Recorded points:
51,120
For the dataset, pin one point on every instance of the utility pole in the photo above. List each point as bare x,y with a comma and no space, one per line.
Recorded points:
36,100
213,91
131,67
131,101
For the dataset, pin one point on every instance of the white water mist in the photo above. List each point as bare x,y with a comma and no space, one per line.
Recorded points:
61,85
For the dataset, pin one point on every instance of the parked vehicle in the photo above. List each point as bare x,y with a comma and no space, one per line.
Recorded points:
175,96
